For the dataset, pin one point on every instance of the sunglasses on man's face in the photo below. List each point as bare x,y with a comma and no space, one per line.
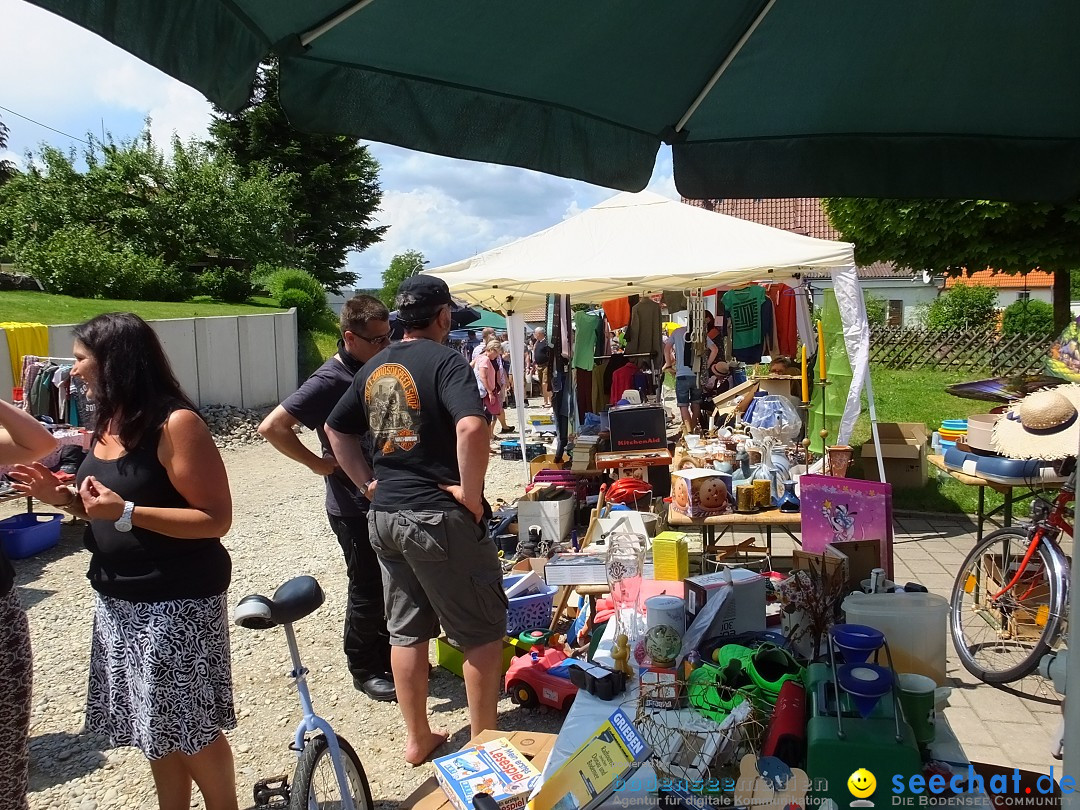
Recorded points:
381,340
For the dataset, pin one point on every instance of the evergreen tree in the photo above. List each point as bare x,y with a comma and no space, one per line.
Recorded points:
336,189
7,168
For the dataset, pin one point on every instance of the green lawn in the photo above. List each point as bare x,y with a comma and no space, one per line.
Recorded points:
919,396
39,307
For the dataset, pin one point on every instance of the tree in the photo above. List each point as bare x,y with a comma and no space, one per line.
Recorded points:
335,189
949,236
1029,317
401,267
965,306
877,309
7,168
136,213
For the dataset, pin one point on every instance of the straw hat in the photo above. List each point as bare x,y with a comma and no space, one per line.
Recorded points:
1041,425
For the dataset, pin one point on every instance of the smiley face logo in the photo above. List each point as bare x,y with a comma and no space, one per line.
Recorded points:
862,783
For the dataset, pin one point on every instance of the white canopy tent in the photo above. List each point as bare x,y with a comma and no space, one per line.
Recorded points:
644,243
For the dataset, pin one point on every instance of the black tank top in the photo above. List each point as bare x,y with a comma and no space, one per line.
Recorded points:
141,565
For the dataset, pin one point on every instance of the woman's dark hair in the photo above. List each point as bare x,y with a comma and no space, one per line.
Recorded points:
134,380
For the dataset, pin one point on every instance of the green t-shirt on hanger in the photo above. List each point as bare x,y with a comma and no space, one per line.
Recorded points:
585,326
743,308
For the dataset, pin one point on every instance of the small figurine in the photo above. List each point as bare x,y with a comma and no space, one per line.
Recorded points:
620,655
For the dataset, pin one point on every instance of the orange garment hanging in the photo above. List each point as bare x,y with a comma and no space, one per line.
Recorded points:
617,312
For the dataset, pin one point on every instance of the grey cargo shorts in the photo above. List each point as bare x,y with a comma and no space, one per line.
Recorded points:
439,567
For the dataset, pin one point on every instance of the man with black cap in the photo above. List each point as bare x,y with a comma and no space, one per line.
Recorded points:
428,517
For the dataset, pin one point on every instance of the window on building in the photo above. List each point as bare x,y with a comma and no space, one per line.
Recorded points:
1023,296
896,313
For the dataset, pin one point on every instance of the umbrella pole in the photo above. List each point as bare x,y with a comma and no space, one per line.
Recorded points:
515,333
873,425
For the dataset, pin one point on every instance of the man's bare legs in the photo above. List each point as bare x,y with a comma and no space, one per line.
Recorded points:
410,666
483,682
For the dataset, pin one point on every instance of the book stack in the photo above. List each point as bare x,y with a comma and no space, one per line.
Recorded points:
584,457
583,568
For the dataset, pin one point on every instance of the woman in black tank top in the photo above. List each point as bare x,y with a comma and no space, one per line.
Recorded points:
154,490
22,440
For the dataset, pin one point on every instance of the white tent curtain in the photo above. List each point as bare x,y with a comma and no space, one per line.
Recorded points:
849,298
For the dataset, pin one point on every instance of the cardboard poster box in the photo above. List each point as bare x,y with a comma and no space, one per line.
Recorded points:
903,449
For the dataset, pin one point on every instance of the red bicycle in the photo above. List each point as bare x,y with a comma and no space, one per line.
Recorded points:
1010,598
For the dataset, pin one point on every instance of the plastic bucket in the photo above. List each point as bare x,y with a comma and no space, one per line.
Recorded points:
914,625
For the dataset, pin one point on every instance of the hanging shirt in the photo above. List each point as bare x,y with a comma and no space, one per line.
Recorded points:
585,326
674,300
622,380
618,313
643,334
785,302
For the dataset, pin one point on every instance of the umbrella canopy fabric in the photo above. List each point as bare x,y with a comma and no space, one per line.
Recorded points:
636,243
971,98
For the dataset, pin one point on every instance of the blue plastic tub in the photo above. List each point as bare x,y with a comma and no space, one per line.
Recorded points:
29,533
526,612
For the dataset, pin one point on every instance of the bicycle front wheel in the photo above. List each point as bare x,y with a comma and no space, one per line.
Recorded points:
315,784
1001,632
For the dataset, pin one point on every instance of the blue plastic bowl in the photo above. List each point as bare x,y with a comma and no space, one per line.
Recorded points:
856,642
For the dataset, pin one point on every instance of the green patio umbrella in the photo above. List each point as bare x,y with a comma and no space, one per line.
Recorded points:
758,98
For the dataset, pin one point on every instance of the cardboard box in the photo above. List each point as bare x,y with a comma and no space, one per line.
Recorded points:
671,556
659,687
835,564
496,768
743,614
544,462
699,493
555,518
636,428
863,556
903,449
534,745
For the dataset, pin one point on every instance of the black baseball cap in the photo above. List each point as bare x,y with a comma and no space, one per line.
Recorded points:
422,294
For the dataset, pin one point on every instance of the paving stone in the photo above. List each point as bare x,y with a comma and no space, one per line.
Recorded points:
1024,742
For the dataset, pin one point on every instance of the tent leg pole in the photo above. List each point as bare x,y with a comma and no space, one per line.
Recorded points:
873,423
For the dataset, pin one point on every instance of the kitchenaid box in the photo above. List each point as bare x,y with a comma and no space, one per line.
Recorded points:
637,427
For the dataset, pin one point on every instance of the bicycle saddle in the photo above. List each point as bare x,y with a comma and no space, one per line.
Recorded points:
294,600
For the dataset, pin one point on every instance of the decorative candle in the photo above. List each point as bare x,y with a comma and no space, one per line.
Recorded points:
805,379
821,350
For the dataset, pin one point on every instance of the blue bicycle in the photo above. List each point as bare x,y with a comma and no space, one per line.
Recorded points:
328,772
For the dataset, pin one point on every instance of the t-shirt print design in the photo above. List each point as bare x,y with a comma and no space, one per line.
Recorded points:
393,406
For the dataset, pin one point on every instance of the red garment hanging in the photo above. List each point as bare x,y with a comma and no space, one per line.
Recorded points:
784,300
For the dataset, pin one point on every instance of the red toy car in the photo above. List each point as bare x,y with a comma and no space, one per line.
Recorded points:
530,684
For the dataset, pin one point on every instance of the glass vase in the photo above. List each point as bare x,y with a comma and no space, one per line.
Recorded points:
625,565
789,501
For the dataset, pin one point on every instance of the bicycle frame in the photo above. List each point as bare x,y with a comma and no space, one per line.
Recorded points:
1047,530
312,722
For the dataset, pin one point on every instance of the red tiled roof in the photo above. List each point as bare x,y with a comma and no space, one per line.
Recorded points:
535,315
803,215
994,278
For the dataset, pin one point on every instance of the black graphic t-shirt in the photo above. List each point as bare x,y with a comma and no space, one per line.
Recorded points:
411,396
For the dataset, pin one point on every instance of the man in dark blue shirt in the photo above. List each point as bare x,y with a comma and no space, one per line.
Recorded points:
365,330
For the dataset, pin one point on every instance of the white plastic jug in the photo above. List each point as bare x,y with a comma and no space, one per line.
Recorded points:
914,624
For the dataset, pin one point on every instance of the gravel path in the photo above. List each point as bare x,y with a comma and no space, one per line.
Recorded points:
279,531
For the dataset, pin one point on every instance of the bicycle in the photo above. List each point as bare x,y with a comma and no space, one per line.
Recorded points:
1008,609
344,784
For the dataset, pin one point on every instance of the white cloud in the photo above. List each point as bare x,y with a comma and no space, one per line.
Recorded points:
6,155
172,107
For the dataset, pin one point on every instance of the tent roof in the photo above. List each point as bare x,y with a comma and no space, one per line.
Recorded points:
636,243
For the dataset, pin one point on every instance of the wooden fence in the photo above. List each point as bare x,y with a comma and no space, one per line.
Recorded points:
959,350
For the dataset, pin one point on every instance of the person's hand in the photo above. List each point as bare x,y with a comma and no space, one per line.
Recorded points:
324,466
475,506
369,490
100,502
38,481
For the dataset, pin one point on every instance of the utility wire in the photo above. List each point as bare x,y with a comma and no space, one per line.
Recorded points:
46,126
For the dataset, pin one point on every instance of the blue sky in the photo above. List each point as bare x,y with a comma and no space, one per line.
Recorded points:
71,80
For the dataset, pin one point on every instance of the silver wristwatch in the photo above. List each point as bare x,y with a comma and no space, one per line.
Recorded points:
123,523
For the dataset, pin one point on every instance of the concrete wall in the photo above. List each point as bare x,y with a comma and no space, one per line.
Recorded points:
249,361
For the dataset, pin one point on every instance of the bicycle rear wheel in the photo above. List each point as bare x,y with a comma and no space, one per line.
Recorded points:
315,785
1000,640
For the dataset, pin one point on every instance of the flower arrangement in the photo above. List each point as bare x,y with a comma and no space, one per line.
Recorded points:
810,601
